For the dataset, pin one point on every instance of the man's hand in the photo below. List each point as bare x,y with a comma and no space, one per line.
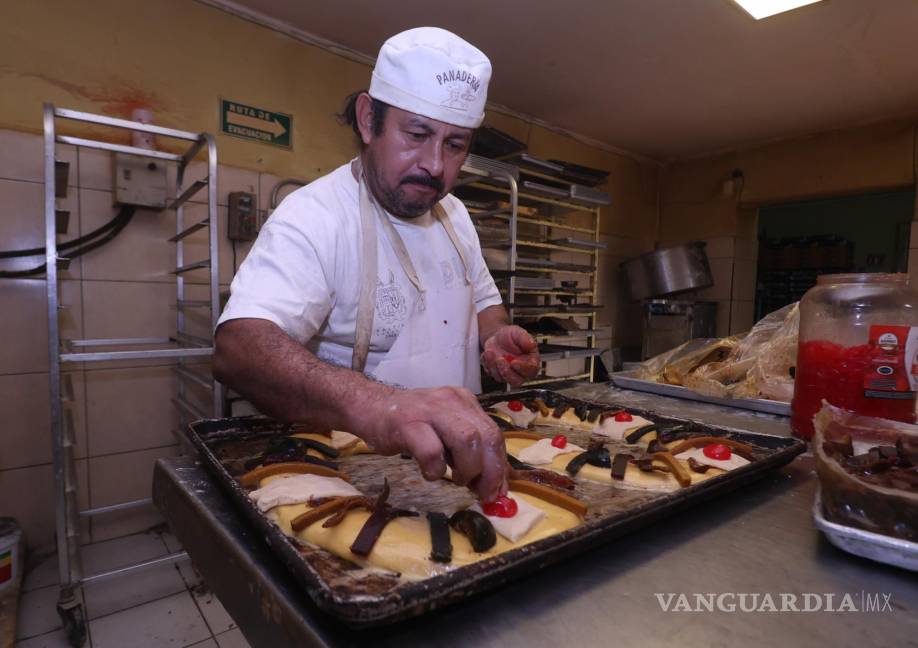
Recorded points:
511,355
440,427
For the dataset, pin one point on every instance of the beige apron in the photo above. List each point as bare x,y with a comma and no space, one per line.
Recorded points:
438,346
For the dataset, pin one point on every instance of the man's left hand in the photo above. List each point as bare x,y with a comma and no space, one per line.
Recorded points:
511,355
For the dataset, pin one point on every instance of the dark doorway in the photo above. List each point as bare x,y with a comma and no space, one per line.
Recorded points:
800,241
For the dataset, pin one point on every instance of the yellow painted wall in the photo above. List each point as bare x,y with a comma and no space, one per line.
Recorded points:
871,158
180,56
632,184
695,206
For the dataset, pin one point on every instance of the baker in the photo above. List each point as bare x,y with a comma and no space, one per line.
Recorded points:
365,304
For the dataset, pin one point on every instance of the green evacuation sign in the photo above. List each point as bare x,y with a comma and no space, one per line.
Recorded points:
256,124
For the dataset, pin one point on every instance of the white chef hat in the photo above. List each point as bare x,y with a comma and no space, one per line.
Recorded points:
434,73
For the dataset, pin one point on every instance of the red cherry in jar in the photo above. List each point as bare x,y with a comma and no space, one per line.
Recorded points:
559,441
508,357
623,417
717,451
503,507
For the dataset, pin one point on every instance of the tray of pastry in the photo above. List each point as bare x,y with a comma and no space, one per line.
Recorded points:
371,542
628,380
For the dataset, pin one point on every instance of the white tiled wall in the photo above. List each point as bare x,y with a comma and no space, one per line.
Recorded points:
123,415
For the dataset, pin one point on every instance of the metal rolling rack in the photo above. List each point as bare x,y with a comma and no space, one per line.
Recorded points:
477,170
182,346
491,175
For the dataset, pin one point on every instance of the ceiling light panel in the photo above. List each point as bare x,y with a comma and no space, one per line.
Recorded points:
759,9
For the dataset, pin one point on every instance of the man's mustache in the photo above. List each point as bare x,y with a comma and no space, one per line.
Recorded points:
425,180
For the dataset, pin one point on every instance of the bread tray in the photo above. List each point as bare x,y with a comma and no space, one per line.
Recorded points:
359,599
626,380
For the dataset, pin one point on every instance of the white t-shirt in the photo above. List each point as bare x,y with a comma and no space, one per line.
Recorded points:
303,272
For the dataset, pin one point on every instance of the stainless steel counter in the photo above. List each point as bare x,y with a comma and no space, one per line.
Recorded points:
757,540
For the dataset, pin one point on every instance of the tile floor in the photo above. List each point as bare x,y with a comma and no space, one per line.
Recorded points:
164,606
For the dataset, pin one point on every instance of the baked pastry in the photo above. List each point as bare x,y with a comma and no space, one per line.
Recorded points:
516,412
614,423
345,443
598,465
316,506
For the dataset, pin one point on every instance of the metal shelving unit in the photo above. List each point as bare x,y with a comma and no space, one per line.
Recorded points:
506,177
183,346
550,230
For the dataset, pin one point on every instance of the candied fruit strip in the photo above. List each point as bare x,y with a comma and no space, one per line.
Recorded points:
549,495
254,477
741,449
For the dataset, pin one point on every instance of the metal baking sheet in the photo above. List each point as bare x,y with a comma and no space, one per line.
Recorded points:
590,195
532,309
583,175
875,546
526,160
580,243
364,598
549,352
543,189
626,380
554,265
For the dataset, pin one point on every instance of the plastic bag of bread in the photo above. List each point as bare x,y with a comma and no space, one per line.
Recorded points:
760,366
772,375
672,366
757,364
868,471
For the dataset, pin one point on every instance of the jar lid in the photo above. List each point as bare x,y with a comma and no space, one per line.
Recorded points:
863,278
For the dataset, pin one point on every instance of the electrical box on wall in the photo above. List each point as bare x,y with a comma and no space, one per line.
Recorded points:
243,221
140,181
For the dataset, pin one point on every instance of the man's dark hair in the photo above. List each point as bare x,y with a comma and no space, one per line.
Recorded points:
348,115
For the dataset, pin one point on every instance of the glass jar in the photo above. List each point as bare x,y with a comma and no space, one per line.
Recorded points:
856,349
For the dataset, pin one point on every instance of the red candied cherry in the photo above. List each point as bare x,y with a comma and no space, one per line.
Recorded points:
559,441
717,451
623,417
515,406
509,358
503,507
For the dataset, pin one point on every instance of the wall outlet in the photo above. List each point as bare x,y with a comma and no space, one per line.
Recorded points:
243,217
140,181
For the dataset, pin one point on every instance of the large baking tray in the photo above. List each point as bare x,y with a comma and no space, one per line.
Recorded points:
549,352
541,309
572,241
626,380
362,599
875,546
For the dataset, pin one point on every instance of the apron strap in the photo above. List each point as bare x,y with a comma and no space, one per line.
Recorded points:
440,214
401,252
369,212
369,279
